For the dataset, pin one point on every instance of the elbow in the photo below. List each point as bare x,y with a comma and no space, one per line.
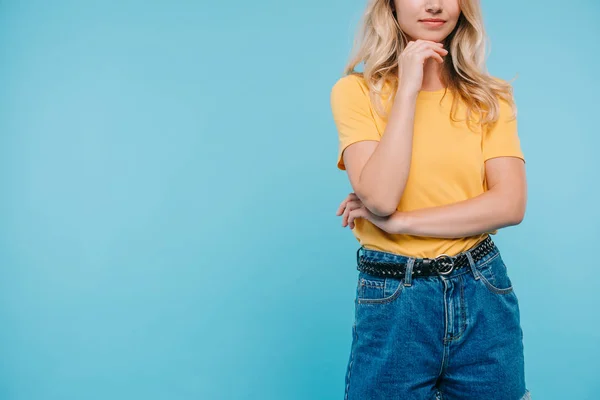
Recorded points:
515,221
387,210
512,207
381,204
382,211
378,208
516,215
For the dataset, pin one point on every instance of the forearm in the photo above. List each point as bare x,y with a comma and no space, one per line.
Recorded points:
487,212
383,178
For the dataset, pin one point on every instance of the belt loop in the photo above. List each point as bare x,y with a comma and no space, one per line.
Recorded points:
472,265
408,271
357,256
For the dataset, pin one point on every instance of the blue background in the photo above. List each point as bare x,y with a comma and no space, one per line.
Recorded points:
169,189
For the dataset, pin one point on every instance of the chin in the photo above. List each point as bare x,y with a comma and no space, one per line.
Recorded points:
430,38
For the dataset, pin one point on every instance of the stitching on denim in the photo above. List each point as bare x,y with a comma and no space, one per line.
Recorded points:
487,282
445,340
383,300
463,313
496,289
463,304
370,283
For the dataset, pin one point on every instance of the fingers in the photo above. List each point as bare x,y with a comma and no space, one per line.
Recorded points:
356,213
437,47
340,208
426,48
350,206
347,209
351,196
434,55
421,42
351,217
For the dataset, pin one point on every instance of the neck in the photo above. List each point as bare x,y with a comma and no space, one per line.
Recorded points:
432,71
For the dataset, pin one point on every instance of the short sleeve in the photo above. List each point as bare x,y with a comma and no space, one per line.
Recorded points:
502,139
352,114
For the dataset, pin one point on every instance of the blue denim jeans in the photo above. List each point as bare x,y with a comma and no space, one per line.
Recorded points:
450,337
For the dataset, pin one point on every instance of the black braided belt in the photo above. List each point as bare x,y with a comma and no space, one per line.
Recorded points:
442,264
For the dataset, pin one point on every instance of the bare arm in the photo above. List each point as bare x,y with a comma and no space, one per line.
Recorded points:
379,171
383,177
501,206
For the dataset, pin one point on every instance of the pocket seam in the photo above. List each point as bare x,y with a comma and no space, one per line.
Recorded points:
494,288
383,300
489,285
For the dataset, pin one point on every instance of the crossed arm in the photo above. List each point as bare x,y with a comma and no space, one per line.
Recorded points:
502,205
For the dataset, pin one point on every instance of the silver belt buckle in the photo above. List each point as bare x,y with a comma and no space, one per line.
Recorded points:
445,272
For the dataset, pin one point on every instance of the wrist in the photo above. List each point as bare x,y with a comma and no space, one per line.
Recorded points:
401,223
406,95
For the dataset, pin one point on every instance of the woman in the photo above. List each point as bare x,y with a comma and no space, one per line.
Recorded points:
430,145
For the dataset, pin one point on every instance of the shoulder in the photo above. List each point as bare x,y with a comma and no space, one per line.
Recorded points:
350,85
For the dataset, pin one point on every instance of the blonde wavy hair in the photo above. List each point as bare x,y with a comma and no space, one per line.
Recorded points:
380,41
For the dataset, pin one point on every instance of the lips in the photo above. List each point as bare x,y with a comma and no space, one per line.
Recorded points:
433,23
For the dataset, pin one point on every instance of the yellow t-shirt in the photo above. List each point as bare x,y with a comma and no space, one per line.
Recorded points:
447,163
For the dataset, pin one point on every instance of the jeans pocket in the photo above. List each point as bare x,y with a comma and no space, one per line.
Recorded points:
372,289
494,275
